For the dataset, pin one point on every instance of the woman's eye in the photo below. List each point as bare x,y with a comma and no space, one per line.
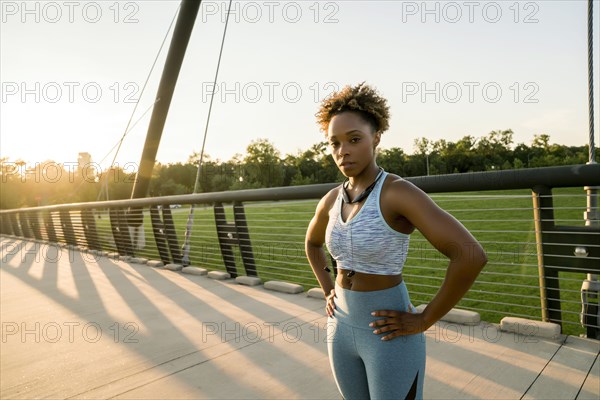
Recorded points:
355,140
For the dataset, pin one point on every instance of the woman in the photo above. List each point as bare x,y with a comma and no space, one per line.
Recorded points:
376,342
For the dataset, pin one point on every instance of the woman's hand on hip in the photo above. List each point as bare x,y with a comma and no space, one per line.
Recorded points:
397,323
330,306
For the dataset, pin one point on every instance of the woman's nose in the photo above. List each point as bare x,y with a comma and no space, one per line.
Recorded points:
342,150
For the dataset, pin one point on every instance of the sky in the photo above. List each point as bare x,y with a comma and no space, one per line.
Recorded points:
72,72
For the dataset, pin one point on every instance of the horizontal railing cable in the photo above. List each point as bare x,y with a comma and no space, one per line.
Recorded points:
265,233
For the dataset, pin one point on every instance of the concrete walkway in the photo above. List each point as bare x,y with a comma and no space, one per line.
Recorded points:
74,325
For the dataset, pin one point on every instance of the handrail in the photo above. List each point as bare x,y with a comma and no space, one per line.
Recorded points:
561,176
220,240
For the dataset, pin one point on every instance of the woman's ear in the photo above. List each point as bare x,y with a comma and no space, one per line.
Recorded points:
376,139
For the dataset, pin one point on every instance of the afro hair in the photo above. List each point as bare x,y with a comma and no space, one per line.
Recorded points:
362,99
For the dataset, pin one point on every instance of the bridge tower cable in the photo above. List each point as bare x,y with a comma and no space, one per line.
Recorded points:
130,126
190,221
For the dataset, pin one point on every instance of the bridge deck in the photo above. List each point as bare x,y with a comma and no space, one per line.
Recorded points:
77,326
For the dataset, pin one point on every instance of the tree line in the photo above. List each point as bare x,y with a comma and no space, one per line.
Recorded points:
263,166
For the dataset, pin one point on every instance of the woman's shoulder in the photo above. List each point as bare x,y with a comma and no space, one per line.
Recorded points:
395,187
331,196
327,201
396,182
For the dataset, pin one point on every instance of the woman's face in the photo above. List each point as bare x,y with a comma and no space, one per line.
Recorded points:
352,142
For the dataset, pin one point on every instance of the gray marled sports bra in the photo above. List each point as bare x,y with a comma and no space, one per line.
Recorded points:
366,243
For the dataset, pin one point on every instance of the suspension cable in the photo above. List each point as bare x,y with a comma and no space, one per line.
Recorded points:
188,229
127,128
197,183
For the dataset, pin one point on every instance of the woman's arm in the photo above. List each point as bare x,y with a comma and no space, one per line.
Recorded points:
447,235
315,237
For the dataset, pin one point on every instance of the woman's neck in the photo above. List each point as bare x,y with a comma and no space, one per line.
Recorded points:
364,179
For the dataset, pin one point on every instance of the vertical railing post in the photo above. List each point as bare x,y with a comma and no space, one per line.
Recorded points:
24,224
171,235
241,226
15,224
89,229
6,224
34,224
49,224
543,211
67,227
590,287
158,229
120,231
227,235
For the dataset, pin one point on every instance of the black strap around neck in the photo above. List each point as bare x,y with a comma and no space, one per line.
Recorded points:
364,194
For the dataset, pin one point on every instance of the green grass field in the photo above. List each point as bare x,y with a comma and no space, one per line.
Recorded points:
501,220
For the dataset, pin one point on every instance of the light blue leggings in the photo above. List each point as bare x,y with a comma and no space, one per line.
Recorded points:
364,366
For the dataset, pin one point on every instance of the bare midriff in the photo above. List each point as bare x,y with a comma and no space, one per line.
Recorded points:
362,282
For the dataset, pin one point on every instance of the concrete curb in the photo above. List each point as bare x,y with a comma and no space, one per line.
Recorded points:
458,316
284,287
194,270
530,327
138,260
316,292
155,263
174,267
248,280
219,275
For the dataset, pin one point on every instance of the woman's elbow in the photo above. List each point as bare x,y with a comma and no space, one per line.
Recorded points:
479,258
471,255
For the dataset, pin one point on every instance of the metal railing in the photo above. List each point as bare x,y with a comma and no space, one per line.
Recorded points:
536,262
